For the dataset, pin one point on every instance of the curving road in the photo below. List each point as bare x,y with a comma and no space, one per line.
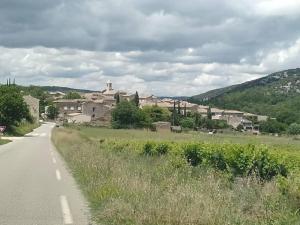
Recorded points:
35,187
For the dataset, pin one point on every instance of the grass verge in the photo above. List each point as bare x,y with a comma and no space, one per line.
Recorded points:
127,188
2,142
22,129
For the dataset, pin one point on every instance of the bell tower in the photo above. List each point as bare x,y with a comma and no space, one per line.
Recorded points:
109,85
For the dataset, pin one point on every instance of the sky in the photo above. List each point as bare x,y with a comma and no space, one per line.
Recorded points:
166,48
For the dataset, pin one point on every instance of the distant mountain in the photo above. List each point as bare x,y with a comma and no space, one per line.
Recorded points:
276,95
64,89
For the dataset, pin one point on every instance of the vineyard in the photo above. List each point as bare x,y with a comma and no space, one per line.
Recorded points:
144,178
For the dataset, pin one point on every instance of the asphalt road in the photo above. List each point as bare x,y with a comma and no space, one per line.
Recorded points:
35,186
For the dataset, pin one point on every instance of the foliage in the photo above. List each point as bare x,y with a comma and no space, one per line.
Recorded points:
152,148
22,128
72,95
156,113
187,122
117,97
127,115
136,99
52,112
193,154
272,126
13,109
294,129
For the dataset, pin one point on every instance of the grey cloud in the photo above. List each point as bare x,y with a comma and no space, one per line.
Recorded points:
152,43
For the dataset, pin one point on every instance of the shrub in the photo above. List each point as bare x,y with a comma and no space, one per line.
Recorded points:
239,161
149,149
266,167
294,129
217,160
193,154
187,123
162,149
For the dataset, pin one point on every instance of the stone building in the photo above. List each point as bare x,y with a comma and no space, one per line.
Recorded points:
33,106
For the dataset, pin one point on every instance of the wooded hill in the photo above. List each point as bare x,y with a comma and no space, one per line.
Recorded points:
276,95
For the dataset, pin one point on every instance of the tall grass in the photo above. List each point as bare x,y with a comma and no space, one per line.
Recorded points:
22,128
127,188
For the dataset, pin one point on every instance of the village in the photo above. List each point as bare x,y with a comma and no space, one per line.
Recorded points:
96,108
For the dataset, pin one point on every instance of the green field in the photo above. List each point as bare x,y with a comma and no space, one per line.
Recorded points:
126,186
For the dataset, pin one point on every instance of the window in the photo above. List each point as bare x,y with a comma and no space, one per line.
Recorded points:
65,107
78,108
72,107
94,108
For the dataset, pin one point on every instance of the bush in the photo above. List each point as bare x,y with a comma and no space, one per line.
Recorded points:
294,129
193,154
149,149
187,123
162,149
217,160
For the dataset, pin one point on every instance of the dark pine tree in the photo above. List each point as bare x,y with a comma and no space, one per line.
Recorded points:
137,99
117,97
179,108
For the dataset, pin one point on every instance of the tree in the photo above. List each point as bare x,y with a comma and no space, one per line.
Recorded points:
197,119
117,97
156,113
52,112
187,123
209,114
72,95
127,115
272,126
136,99
294,129
179,108
13,109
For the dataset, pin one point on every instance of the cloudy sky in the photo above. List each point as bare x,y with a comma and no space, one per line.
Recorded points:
162,47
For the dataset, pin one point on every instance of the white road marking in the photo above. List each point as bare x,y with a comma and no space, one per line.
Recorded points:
58,176
66,210
54,160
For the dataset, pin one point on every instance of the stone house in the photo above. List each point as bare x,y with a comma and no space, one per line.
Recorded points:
68,106
97,110
162,126
33,106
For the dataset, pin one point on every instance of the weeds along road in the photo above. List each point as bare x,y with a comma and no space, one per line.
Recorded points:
35,187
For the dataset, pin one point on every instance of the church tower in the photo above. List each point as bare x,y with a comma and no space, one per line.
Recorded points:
109,85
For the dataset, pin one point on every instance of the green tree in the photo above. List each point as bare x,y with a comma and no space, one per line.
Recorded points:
136,99
52,112
117,97
72,95
156,113
127,115
187,123
294,129
13,109
179,108
209,114
272,126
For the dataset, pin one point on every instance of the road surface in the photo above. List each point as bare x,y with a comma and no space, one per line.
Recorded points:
35,186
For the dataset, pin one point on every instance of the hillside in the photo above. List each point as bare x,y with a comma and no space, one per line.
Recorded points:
276,95
63,89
